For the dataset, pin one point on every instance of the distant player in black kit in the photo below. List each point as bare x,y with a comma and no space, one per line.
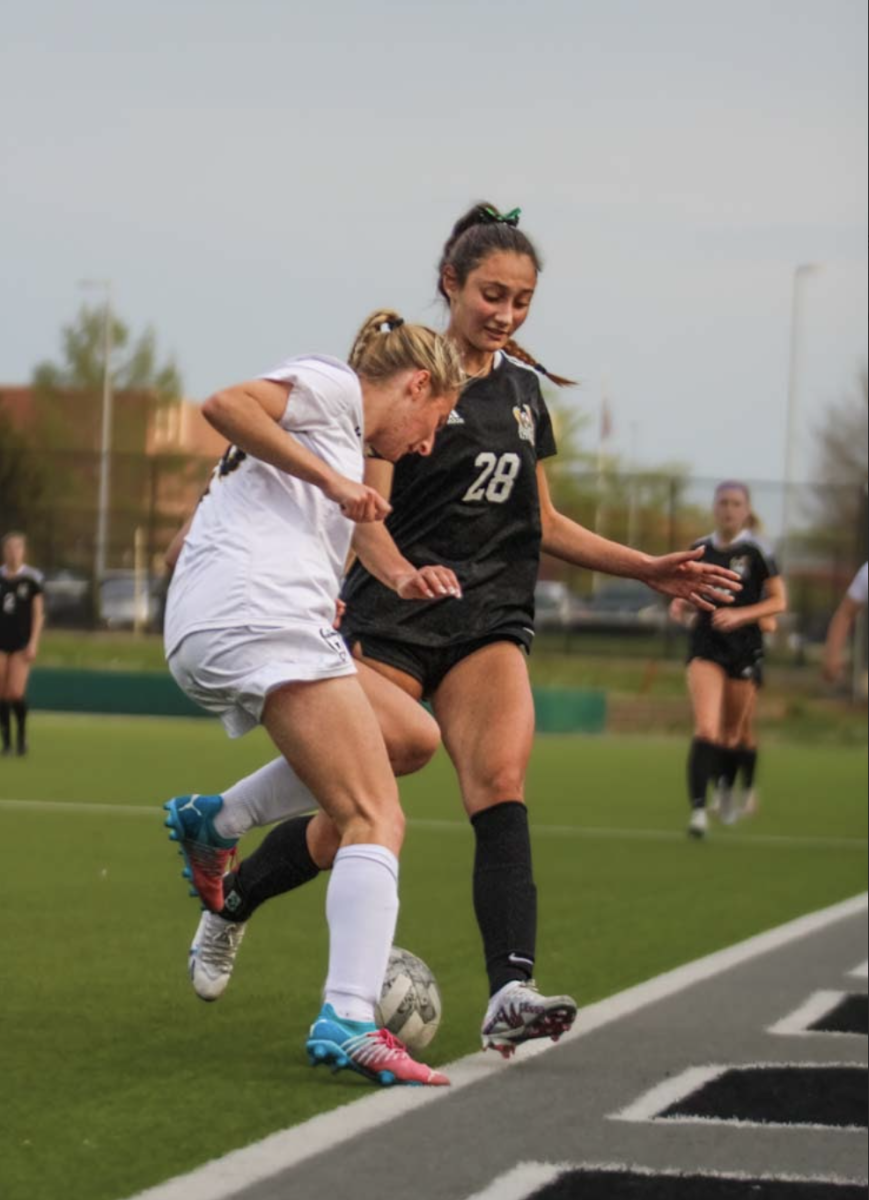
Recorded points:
725,656
21,619
480,507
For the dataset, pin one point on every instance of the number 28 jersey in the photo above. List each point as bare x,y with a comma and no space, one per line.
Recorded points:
472,505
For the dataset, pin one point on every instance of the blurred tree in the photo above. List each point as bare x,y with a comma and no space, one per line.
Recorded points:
67,398
23,480
69,393
646,509
843,462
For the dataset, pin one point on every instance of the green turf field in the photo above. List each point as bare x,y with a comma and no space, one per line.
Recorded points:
115,1076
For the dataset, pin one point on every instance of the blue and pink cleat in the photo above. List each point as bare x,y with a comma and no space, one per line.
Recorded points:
372,1052
206,854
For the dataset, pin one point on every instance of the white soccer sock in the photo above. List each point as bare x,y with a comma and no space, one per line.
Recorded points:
362,910
271,794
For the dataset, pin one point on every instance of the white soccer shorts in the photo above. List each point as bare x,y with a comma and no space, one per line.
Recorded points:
230,672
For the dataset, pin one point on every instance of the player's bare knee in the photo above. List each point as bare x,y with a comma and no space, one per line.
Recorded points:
417,752
707,732
499,787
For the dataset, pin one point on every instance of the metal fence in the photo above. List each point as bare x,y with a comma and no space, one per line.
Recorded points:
53,498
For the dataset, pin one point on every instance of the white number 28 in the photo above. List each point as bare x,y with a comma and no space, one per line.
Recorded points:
496,479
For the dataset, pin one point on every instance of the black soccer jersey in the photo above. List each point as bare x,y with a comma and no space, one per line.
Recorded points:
17,594
473,505
754,564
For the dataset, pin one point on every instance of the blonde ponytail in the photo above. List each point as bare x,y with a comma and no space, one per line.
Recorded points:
386,344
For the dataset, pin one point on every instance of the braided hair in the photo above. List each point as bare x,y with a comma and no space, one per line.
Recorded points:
482,231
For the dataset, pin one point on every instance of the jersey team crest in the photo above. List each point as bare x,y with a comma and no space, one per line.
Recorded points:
741,565
525,420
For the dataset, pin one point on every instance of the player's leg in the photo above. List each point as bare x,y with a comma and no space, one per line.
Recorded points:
486,713
738,695
706,683
329,734
274,792
297,850
5,708
17,677
747,750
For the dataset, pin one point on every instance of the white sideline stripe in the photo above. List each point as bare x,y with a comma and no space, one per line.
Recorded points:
241,1169
670,1092
799,1022
436,826
657,835
860,972
650,1107
76,806
523,1180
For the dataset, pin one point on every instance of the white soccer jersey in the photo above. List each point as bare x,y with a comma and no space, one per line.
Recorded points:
265,549
859,589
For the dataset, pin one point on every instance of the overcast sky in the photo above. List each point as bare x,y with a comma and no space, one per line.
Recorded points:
254,176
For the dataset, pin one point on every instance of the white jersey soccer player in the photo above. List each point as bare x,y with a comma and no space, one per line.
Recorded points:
853,602
264,559
249,637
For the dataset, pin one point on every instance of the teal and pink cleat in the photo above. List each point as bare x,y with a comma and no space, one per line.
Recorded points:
372,1052
207,855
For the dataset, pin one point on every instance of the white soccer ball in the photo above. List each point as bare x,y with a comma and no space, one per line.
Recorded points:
410,1005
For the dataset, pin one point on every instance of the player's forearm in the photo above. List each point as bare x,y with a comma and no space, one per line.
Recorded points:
837,634
378,553
752,613
570,542
36,632
242,421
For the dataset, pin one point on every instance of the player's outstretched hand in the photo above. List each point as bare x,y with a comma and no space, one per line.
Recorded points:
430,583
360,503
703,584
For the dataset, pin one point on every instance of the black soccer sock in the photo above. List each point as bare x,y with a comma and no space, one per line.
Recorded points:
728,768
505,898
19,707
5,724
281,863
748,765
704,761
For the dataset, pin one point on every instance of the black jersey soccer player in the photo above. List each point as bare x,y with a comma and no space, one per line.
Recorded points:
22,615
480,506
725,656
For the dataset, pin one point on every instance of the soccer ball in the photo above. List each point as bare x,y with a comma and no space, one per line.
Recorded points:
410,1004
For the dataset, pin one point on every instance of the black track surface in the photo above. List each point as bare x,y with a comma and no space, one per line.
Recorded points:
834,1096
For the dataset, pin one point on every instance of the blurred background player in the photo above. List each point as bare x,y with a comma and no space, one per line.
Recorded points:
725,656
853,603
249,637
22,616
736,795
480,506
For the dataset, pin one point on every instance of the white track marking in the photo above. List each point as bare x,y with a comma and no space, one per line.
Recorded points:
525,1179
226,1177
798,1023
435,826
75,806
650,1107
860,972
522,1181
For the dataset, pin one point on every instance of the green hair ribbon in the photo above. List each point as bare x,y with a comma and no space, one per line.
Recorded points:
510,218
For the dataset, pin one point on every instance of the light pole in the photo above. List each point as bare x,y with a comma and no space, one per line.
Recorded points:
105,432
801,274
